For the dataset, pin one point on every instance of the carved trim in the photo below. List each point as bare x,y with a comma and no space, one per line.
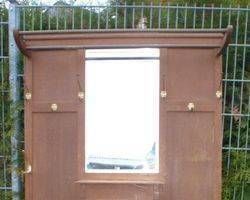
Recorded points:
156,195
226,40
20,44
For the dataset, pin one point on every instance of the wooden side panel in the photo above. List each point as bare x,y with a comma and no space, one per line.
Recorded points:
190,74
193,137
55,76
190,144
54,160
52,137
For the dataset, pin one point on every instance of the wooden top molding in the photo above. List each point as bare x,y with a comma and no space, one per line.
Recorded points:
28,41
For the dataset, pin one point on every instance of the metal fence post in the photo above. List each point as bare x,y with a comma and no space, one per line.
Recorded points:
15,98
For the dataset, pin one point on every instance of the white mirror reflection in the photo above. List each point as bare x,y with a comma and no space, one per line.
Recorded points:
122,110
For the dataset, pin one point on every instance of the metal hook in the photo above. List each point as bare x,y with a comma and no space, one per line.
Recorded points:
28,94
80,93
163,91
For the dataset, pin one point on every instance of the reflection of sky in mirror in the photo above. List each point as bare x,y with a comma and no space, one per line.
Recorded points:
122,104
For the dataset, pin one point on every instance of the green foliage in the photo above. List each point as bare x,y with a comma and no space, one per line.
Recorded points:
225,3
237,176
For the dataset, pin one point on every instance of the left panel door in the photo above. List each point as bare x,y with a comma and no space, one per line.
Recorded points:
53,77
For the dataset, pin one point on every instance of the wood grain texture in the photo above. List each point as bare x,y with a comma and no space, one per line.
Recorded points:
194,138
190,142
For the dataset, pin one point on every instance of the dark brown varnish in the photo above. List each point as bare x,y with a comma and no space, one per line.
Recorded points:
190,141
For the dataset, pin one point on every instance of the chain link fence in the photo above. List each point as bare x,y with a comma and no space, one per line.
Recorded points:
236,71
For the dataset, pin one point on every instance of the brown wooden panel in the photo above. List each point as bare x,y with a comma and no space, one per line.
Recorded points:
51,138
190,156
55,75
190,74
193,138
200,106
54,155
28,128
61,107
119,192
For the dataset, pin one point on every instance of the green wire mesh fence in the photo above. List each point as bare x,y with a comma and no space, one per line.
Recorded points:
236,69
5,142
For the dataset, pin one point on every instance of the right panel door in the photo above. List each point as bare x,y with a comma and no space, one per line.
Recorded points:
193,146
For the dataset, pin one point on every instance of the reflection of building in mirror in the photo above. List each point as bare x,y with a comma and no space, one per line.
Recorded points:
122,110
148,163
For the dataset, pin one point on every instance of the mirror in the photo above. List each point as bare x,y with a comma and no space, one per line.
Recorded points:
122,110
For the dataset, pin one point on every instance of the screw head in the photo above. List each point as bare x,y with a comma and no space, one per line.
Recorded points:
163,94
54,107
190,106
218,94
81,95
28,96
